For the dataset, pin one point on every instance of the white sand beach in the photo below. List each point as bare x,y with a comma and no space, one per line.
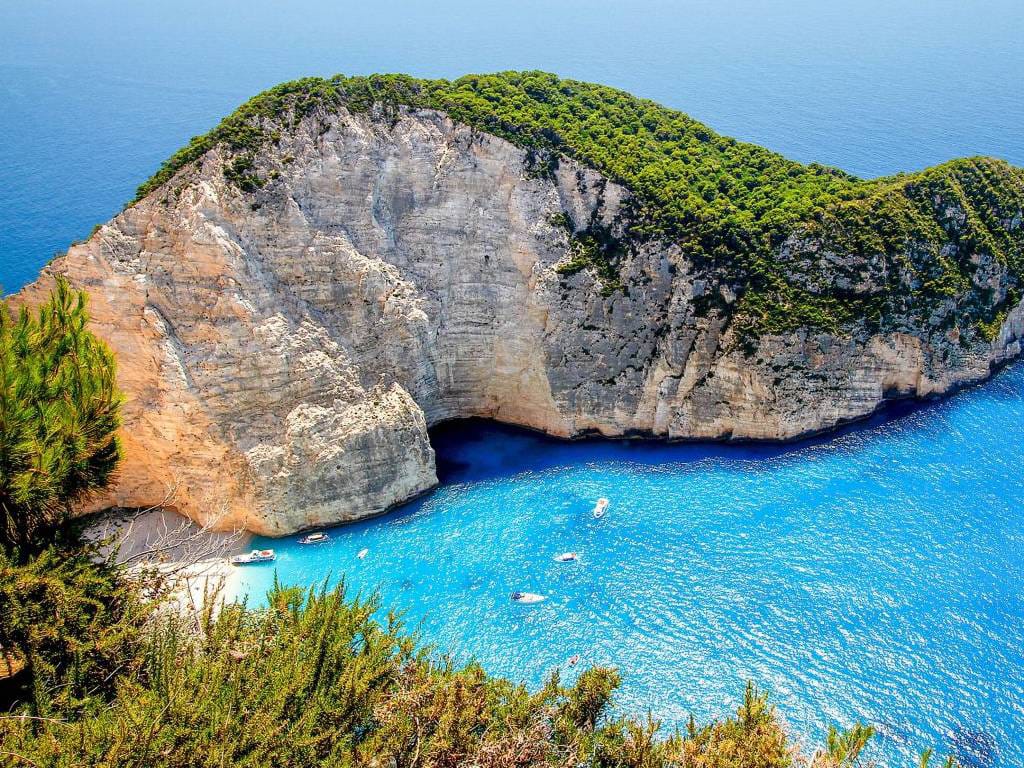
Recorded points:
196,559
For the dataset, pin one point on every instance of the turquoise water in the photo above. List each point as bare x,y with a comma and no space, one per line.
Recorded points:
873,576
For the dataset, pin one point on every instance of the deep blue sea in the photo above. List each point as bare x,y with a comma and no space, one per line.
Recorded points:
876,575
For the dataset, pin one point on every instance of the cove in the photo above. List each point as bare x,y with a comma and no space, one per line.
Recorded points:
873,575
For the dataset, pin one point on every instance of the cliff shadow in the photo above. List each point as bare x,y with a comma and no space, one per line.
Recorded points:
476,449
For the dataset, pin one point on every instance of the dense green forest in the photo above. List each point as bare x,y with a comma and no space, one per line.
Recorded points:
101,666
729,204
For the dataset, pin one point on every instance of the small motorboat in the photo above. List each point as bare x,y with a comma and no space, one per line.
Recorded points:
362,553
601,507
527,598
574,660
567,557
256,556
315,538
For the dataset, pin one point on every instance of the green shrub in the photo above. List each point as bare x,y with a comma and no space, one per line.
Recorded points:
74,625
316,680
59,414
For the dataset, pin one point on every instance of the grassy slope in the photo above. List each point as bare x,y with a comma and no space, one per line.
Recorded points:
729,204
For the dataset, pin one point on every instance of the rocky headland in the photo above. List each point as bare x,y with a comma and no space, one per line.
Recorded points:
294,299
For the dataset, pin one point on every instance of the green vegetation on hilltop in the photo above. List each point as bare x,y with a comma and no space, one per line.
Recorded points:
729,204
686,173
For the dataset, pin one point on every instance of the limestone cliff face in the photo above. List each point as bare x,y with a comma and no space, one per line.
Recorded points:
284,350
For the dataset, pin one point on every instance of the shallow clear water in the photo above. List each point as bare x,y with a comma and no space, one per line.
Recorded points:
873,576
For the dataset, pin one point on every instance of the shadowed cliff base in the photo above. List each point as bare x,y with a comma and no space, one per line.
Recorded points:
450,437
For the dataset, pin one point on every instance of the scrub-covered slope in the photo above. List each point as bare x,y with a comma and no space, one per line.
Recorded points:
735,205
295,296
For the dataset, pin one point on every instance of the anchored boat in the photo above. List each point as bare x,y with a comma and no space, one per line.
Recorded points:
527,598
256,556
601,507
315,538
567,557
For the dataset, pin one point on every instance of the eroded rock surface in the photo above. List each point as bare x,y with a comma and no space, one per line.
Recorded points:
284,350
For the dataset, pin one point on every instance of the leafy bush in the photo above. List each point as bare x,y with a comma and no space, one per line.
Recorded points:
72,623
316,680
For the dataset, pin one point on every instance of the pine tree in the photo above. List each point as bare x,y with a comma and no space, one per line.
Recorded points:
59,414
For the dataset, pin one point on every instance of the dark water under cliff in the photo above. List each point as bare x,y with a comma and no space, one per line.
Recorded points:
875,576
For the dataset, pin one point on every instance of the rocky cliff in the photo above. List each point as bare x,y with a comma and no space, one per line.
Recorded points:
290,317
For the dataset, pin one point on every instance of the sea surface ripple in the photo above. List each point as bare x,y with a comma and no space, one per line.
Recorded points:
873,576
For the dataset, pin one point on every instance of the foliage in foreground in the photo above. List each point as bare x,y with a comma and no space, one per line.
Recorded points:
315,680
71,625
59,414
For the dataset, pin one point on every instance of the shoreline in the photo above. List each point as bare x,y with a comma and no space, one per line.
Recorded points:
196,560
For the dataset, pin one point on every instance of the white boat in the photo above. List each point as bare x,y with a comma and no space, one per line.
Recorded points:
567,557
256,556
315,538
527,598
362,553
574,660
601,507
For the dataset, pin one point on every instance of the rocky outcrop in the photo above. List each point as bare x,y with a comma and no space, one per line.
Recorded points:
284,350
